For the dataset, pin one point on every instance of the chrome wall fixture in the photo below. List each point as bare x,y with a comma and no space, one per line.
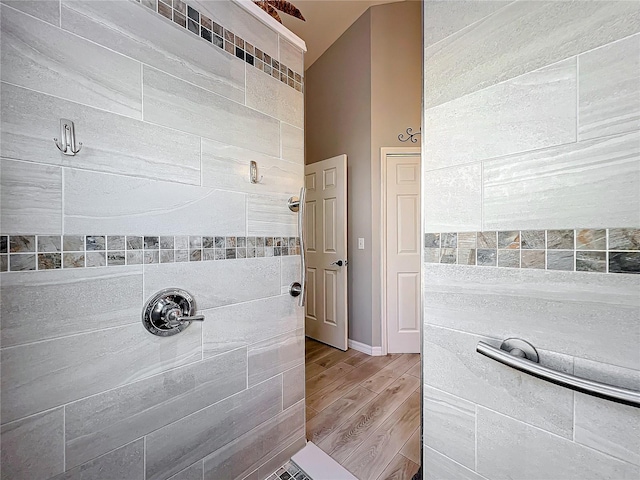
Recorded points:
253,172
411,135
170,311
298,289
67,142
523,356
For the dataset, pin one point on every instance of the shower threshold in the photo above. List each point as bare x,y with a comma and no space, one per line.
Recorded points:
311,463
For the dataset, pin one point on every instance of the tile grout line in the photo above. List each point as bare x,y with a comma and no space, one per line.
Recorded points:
476,438
534,151
144,457
64,438
142,91
607,245
201,163
149,122
62,205
468,26
573,416
577,98
556,435
164,372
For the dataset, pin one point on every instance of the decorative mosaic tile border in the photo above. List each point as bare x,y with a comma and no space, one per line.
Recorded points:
289,472
198,24
19,253
612,250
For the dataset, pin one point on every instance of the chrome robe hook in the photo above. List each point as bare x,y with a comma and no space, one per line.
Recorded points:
67,142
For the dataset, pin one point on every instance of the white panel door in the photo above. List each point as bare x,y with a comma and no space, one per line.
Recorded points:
325,225
403,253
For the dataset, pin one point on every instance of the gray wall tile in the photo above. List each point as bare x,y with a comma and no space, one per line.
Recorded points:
234,326
33,445
277,99
279,459
194,472
275,355
293,386
452,425
453,199
449,354
227,167
609,104
553,188
292,139
124,462
72,368
176,446
112,376
268,215
102,422
536,33
291,56
290,271
47,10
444,18
110,203
36,55
543,307
507,118
214,284
611,374
149,38
180,105
501,447
243,455
92,299
31,198
606,426
441,467
111,143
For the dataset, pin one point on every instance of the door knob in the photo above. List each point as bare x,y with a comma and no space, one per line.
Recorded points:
340,263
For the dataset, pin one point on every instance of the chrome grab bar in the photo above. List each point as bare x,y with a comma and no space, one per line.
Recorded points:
298,289
303,263
518,354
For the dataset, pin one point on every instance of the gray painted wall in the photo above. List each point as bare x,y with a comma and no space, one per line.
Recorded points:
338,121
169,124
531,120
360,94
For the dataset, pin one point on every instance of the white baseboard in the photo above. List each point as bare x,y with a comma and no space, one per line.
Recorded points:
364,348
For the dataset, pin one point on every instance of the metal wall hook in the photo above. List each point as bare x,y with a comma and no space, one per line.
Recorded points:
253,172
67,142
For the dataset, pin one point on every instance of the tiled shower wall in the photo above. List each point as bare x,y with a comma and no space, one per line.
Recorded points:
531,124
169,122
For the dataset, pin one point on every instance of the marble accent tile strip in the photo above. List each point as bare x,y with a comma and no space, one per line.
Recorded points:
198,24
602,250
20,253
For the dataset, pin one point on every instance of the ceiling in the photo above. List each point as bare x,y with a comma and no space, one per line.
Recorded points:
326,21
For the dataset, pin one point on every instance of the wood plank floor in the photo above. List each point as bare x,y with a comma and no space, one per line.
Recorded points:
364,411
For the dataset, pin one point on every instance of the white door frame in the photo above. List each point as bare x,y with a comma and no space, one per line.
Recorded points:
386,152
